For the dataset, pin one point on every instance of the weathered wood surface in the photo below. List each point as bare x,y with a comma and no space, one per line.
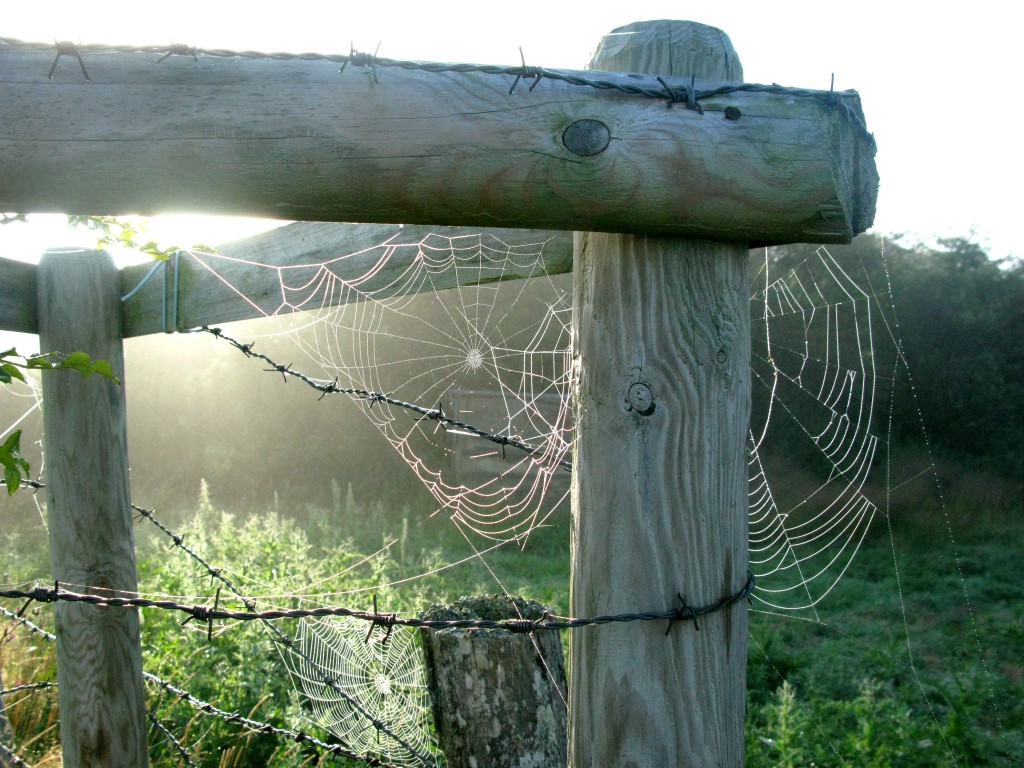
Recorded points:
370,257
99,659
6,731
18,296
662,344
498,698
299,140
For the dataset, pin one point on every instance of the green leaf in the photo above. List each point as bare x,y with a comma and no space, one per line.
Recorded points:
12,352
77,361
14,465
104,369
41,361
10,371
13,443
12,477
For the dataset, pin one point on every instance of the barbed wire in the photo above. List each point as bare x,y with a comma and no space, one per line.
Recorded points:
27,687
11,756
35,628
182,752
276,634
454,426
208,709
690,96
548,622
261,727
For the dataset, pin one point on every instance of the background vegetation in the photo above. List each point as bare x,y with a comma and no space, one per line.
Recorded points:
914,659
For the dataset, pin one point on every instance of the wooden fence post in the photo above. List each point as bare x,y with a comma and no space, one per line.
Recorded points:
498,697
662,349
6,731
92,547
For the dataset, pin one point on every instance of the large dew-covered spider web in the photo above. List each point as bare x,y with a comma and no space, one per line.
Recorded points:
814,399
433,321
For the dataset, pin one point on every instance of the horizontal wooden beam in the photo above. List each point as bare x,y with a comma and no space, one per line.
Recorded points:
369,258
298,140
18,311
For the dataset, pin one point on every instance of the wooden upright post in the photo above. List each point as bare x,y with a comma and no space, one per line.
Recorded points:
92,548
662,345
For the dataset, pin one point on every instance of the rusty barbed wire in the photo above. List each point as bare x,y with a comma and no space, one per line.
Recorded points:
426,414
686,95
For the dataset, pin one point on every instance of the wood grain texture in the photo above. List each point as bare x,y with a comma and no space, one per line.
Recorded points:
18,297
376,256
659,500
6,731
99,660
297,140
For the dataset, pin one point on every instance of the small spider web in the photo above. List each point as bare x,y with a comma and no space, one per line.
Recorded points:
384,675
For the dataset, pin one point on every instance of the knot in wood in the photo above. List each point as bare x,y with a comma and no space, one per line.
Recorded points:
640,399
587,138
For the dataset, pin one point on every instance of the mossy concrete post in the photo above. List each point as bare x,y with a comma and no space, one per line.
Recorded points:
498,697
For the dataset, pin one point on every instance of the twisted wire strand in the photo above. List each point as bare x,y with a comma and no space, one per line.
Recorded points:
549,622
182,752
204,707
277,635
257,726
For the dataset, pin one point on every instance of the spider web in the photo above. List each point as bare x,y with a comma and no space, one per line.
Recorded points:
814,383
383,674
496,354
491,354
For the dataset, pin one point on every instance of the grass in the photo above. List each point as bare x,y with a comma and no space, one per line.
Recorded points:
845,688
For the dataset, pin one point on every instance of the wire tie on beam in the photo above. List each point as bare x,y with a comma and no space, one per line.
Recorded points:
675,95
159,265
67,48
537,73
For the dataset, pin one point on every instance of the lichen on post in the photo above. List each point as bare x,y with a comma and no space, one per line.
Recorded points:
498,696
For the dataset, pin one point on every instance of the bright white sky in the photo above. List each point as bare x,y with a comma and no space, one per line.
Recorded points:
932,80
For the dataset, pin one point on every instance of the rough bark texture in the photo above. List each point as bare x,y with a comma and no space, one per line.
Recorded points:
92,545
662,345
498,698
